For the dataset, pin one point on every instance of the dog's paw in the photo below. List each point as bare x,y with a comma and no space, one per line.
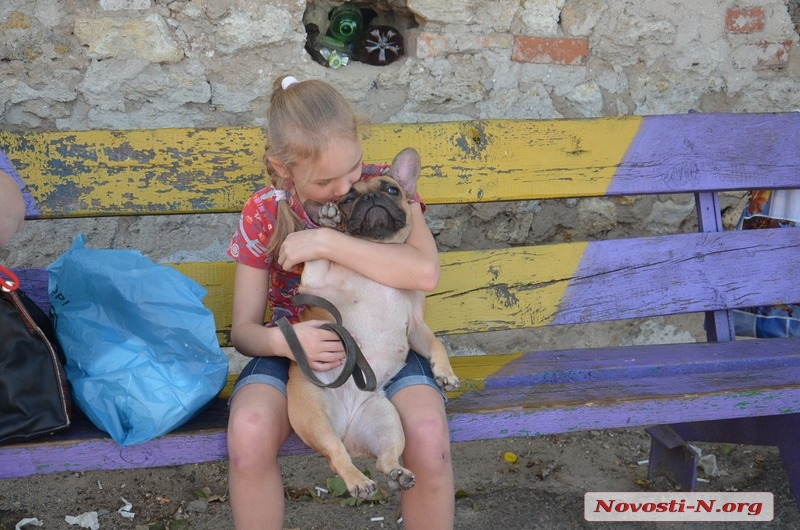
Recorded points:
401,478
329,215
448,381
363,488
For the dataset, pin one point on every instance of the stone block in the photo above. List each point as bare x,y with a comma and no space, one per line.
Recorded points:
149,38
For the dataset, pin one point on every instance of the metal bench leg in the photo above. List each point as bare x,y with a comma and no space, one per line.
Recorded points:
671,456
789,447
782,431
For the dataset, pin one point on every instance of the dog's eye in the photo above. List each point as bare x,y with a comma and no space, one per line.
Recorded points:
393,190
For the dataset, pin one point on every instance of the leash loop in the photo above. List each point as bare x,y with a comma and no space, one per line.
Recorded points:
355,363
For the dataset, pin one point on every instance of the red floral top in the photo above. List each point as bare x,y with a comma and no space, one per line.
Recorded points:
256,227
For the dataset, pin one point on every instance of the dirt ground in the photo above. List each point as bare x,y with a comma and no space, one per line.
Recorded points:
543,489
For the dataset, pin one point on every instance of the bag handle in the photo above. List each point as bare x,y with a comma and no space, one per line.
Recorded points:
8,284
8,280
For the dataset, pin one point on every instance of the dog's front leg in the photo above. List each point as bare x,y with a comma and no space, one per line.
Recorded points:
422,340
308,415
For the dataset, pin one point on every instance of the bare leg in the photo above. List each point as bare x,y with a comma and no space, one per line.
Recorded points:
258,426
430,504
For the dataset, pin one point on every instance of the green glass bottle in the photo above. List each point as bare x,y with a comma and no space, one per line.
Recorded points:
346,22
326,50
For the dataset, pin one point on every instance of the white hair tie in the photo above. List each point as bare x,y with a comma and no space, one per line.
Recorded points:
287,82
279,195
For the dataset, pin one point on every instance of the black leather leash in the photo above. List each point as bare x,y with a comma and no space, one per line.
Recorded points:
355,363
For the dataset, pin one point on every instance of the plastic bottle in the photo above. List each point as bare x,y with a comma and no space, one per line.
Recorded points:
346,22
326,50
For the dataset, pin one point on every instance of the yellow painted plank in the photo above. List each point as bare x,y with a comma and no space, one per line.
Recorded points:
227,390
91,173
498,160
217,278
501,289
478,290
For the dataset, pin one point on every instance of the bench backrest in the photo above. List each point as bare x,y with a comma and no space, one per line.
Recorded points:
172,171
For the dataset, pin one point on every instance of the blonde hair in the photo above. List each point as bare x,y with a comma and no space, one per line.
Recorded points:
301,120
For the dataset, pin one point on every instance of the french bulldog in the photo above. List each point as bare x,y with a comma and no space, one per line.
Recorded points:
346,422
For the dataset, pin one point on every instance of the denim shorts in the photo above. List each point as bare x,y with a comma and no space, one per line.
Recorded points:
274,371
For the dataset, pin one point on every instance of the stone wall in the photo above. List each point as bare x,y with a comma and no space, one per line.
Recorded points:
118,64
70,64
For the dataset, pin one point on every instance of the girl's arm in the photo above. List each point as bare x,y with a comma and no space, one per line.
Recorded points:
12,208
413,265
323,348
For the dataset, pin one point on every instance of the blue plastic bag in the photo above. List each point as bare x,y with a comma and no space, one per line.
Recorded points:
142,351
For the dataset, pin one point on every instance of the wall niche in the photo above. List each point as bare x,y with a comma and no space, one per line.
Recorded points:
372,33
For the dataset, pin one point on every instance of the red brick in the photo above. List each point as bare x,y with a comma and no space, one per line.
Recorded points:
745,20
550,50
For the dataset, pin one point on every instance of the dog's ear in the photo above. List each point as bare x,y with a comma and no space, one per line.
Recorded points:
405,170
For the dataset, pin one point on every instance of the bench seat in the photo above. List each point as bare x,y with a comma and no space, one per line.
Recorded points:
534,394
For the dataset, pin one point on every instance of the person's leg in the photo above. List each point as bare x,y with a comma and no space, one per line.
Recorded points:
258,426
430,504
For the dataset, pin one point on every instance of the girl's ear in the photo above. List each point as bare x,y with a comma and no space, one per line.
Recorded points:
277,165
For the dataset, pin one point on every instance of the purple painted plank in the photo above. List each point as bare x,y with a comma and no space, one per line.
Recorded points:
711,152
34,282
467,424
682,273
489,414
179,448
83,447
626,362
645,390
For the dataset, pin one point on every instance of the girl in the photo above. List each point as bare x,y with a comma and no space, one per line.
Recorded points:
314,153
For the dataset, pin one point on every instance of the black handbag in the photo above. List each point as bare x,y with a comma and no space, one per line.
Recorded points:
34,392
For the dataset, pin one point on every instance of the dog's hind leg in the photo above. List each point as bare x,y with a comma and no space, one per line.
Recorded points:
310,421
379,432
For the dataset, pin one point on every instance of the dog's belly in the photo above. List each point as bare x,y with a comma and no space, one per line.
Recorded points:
376,315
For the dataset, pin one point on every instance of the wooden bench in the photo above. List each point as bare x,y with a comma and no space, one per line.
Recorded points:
745,391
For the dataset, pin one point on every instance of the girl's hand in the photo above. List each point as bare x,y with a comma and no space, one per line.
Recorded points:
324,350
305,245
